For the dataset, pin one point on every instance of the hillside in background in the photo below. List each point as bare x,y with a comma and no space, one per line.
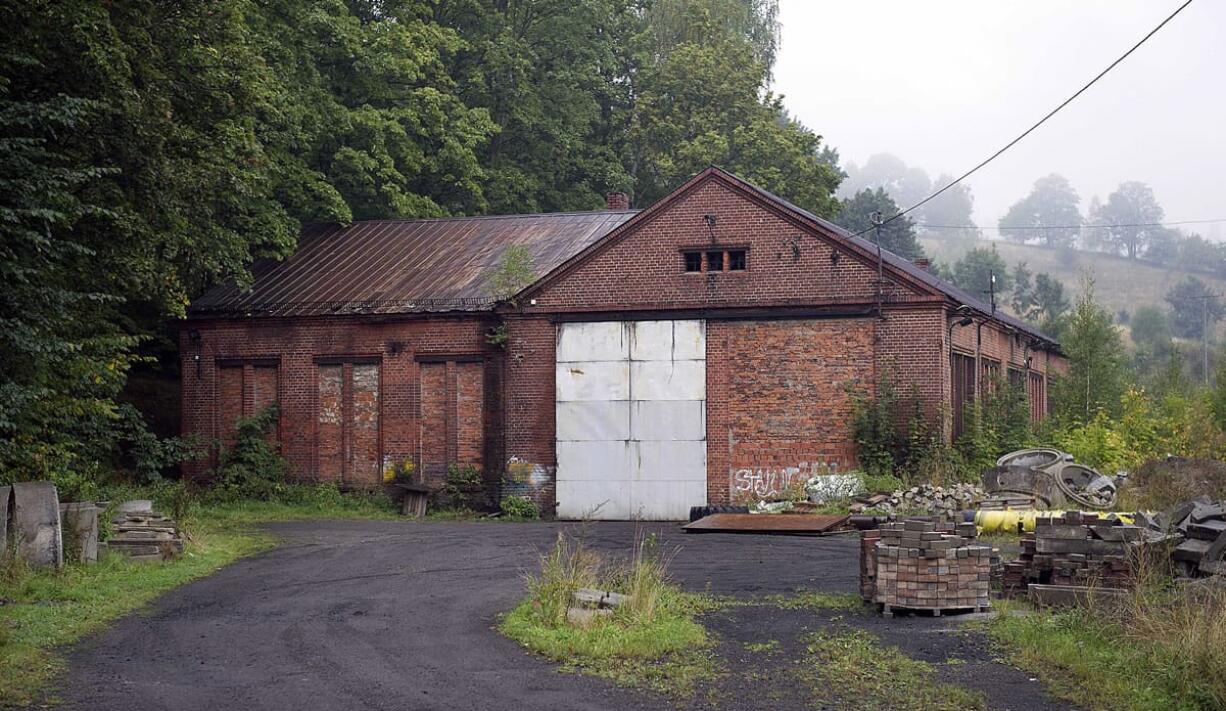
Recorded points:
1120,284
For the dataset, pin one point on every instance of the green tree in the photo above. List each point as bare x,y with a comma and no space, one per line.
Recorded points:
1193,304
1096,376
1049,214
705,103
1051,304
1023,290
1129,216
64,360
897,236
951,209
1151,335
982,272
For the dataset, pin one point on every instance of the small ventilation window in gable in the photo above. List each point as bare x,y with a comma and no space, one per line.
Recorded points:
693,261
715,261
736,260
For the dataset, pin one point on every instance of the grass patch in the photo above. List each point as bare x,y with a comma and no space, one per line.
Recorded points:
813,600
1165,648
46,610
762,647
652,642
850,669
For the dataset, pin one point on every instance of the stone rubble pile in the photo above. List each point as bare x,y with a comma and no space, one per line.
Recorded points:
142,534
933,499
833,487
916,565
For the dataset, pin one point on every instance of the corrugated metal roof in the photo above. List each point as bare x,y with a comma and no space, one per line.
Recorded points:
405,266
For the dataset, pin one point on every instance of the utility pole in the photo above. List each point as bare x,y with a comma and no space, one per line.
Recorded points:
1204,337
992,290
877,222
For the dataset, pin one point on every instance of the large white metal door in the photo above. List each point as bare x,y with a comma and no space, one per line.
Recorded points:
631,419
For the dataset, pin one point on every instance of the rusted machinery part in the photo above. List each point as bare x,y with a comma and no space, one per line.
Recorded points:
1037,458
1085,486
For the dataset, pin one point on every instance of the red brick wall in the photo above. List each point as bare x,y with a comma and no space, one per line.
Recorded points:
384,408
781,401
529,409
787,265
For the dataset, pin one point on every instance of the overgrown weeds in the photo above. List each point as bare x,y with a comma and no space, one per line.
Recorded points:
652,641
1161,646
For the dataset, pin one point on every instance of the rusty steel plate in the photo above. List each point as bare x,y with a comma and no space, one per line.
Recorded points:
777,524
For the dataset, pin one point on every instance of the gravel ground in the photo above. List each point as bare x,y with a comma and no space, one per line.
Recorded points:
399,615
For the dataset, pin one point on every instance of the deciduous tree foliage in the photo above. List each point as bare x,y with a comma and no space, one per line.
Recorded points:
897,236
1048,215
154,148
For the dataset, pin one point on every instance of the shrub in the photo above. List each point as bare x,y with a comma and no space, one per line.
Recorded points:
519,507
464,488
252,468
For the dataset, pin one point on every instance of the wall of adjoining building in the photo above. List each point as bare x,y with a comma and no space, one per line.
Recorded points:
357,396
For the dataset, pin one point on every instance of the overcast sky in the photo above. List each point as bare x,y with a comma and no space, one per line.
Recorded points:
943,84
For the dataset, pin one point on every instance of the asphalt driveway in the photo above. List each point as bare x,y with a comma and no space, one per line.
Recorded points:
399,615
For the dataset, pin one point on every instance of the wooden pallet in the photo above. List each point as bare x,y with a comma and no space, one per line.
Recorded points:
887,610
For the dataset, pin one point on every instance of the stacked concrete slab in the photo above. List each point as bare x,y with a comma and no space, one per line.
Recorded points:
1077,549
142,534
1080,549
921,568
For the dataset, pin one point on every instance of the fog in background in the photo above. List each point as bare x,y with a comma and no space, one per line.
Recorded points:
944,84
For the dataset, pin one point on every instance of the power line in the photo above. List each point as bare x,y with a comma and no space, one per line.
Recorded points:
1041,121
1070,227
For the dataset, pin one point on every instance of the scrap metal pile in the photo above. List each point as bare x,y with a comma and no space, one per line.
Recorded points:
1084,551
1045,479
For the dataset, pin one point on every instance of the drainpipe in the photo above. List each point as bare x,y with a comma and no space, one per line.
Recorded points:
954,322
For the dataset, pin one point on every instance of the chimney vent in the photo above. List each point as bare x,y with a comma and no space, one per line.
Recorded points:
617,200
923,263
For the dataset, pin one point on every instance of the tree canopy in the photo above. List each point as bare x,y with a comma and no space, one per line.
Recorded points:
153,149
897,236
1048,214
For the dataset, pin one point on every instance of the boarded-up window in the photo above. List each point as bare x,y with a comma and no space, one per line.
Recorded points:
964,390
347,430
1036,391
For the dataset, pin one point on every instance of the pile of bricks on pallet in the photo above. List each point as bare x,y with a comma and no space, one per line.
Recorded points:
1078,549
920,567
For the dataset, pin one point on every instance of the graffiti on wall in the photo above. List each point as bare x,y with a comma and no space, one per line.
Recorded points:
764,482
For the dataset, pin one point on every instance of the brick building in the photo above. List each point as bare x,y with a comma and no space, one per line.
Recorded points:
706,348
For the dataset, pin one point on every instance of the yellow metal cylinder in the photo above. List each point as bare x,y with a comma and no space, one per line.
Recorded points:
1008,521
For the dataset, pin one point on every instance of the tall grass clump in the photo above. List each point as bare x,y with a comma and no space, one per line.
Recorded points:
1162,645
651,641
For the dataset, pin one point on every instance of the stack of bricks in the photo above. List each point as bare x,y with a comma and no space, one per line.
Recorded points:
919,567
1076,549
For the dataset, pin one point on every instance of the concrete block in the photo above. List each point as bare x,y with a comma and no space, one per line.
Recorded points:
663,420
668,380
580,500
596,461
668,340
80,531
664,461
583,616
36,524
6,496
593,420
597,341
594,380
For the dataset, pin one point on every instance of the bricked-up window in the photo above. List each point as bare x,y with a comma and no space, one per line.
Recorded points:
736,260
715,261
693,261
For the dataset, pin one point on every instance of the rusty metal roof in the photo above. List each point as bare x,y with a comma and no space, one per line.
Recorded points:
405,266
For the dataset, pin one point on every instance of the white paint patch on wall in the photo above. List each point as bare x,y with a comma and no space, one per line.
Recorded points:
631,419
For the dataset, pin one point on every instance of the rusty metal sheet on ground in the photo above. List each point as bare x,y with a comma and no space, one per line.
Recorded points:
769,524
